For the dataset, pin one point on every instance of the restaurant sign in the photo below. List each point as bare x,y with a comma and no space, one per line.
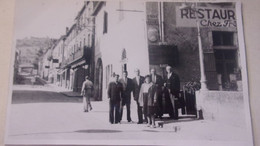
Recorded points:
206,17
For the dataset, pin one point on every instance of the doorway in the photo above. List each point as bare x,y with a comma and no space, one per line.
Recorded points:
99,80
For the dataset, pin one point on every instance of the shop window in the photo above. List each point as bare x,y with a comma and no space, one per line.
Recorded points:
223,38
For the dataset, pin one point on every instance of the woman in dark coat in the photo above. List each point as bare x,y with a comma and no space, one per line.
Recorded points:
148,100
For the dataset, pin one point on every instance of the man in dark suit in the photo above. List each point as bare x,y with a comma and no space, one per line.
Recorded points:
172,84
126,98
158,81
137,82
114,93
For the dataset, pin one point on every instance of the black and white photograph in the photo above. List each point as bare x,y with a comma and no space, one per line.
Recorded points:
128,72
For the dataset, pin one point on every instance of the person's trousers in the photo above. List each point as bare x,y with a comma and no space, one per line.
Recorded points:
128,112
145,106
86,102
160,106
114,115
174,106
139,112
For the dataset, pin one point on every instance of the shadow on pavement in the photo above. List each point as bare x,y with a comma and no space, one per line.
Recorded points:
98,131
40,133
27,96
180,120
150,131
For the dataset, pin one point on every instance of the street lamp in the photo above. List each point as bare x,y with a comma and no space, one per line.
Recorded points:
201,56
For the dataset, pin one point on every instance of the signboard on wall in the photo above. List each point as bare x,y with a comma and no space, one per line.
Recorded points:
206,16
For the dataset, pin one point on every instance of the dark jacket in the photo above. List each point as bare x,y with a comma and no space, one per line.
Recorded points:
136,87
173,84
114,91
127,89
158,82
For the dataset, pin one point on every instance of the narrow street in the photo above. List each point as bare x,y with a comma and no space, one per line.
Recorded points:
41,113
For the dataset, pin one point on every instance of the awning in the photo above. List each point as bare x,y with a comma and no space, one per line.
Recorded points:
78,64
61,71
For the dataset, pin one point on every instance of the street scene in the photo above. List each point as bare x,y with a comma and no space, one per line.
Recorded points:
130,73
40,112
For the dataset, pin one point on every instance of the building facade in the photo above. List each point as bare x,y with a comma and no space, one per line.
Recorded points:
145,35
114,36
78,52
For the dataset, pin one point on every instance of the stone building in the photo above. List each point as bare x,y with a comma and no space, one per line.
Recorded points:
199,40
77,53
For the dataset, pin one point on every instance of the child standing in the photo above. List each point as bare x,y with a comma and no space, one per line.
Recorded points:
148,100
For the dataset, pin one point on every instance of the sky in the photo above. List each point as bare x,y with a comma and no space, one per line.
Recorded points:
44,18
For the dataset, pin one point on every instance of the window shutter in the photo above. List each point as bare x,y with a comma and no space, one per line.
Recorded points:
210,71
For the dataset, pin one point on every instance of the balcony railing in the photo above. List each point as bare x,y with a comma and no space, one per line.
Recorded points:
79,54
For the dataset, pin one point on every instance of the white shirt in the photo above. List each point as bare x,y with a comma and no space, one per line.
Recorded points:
138,80
169,75
154,78
146,87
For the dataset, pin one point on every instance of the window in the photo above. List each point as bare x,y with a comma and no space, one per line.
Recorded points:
226,63
123,57
105,23
222,38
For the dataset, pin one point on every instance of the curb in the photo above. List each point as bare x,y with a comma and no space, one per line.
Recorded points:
68,95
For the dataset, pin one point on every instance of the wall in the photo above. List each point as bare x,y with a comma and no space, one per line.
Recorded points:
186,40
120,36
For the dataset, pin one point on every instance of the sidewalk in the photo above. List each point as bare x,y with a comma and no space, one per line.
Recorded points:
52,121
67,121
62,90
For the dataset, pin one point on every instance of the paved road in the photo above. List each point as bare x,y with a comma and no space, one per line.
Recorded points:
39,113
41,96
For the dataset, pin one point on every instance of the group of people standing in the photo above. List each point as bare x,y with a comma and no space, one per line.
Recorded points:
147,92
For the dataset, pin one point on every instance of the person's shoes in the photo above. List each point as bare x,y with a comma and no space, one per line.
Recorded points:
148,125
85,110
90,108
139,122
130,121
153,126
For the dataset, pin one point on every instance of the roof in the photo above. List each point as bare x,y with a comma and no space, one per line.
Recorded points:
81,11
97,7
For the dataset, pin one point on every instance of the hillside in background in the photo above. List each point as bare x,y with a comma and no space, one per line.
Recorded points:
31,49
